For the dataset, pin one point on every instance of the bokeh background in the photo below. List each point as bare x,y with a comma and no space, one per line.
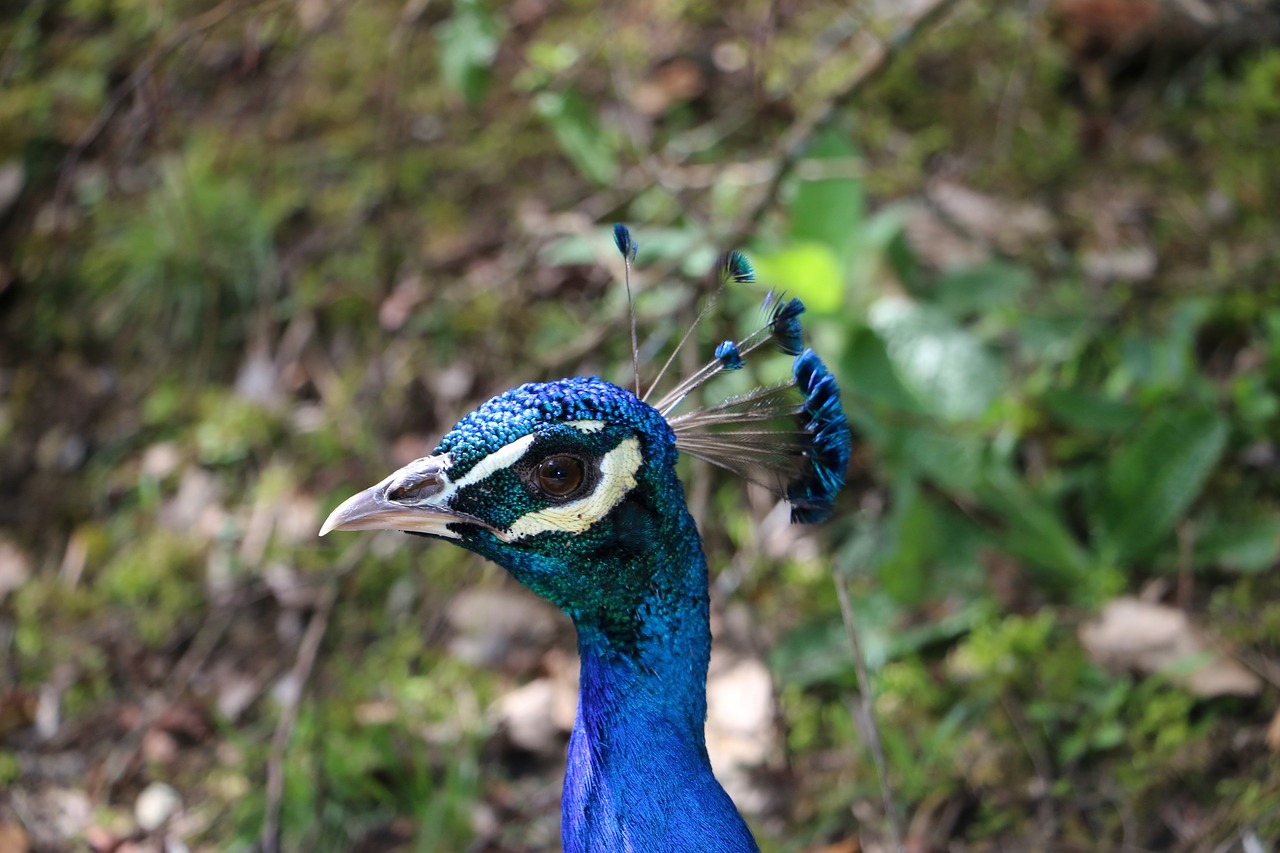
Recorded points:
256,254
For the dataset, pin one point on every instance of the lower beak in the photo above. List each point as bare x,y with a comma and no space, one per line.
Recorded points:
400,502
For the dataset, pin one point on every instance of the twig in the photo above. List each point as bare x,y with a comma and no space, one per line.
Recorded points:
796,142
184,32
269,841
864,716
1015,89
1034,749
1046,814
125,752
1186,531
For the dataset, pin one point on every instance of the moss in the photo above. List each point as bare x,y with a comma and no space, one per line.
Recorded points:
159,579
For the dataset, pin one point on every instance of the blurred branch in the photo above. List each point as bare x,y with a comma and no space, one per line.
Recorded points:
1015,90
185,31
125,753
269,841
864,715
796,143
299,675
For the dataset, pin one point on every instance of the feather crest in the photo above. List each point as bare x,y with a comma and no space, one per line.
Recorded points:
792,438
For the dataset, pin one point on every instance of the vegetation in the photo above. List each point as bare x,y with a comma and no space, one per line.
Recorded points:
254,255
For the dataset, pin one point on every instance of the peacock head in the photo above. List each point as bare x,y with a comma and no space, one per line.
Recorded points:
571,485
555,481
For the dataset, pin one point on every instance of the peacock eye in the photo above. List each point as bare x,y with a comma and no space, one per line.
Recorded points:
558,475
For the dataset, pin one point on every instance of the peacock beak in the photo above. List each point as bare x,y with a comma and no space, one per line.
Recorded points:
411,499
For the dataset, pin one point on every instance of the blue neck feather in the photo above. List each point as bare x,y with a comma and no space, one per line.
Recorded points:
638,777
635,586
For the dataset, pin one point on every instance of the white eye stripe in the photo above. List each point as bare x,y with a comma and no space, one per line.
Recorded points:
618,469
503,457
506,456
586,426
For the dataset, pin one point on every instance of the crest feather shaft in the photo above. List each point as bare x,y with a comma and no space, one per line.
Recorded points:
792,438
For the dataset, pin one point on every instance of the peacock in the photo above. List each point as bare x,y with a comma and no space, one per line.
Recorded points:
571,486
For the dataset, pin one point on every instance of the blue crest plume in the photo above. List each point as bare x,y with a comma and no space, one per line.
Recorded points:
812,496
729,356
792,438
627,247
734,266
785,326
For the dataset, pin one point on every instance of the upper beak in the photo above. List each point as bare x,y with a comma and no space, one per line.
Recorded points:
402,501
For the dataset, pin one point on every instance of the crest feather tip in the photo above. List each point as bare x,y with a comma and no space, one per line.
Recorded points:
785,326
729,355
812,496
626,244
735,267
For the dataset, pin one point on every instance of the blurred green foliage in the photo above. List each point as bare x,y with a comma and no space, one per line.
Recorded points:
260,250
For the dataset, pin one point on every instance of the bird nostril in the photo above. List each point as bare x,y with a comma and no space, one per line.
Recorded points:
416,489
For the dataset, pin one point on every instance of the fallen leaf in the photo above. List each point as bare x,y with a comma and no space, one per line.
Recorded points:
937,243
502,627
1150,638
527,717
15,568
160,460
1010,225
155,805
17,711
13,839
740,730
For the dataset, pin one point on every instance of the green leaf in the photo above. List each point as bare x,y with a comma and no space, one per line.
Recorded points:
1033,529
912,545
1082,410
944,365
468,42
829,210
1151,481
869,377
581,138
953,460
818,652
687,246
1247,545
988,287
810,271
1165,359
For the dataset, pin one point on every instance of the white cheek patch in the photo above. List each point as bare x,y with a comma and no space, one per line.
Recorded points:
618,470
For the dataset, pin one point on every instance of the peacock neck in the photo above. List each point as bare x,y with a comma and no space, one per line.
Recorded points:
638,776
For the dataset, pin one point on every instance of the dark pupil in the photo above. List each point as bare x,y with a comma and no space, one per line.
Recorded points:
559,475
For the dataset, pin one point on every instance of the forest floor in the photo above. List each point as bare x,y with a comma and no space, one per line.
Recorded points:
255,255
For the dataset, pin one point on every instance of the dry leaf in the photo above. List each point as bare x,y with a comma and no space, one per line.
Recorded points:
15,568
740,728
13,839
1134,634
527,717
503,627
1010,225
